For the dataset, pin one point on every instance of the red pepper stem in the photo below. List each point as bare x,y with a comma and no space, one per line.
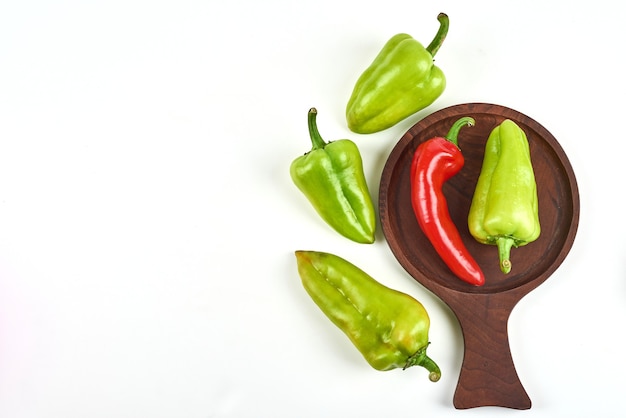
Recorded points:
421,359
444,24
456,127
316,138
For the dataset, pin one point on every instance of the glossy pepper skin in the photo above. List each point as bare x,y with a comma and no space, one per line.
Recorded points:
401,81
331,176
504,209
388,327
435,161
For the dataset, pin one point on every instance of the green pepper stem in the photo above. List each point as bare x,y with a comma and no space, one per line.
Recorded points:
316,138
456,127
435,44
421,359
504,253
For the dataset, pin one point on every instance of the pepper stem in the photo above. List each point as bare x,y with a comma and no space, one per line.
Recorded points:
504,253
444,24
421,359
456,127
316,138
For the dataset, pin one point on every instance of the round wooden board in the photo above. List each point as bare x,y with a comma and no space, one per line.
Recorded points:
532,264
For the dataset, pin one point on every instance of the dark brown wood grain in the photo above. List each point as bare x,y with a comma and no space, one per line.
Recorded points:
488,376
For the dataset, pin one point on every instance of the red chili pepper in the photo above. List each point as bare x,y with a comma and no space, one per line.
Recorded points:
435,161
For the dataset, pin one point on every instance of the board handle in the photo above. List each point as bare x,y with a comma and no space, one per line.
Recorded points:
488,376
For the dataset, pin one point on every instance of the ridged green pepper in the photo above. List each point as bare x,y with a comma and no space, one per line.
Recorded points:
331,176
504,209
388,327
401,81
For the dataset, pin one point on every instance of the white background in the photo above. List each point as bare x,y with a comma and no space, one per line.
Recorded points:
148,221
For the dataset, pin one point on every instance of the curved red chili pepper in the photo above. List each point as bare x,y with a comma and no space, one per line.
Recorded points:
435,161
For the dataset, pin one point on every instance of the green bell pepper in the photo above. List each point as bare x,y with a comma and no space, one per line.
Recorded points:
401,81
388,327
331,176
504,209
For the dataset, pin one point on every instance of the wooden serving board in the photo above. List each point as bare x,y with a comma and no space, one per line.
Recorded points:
488,376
